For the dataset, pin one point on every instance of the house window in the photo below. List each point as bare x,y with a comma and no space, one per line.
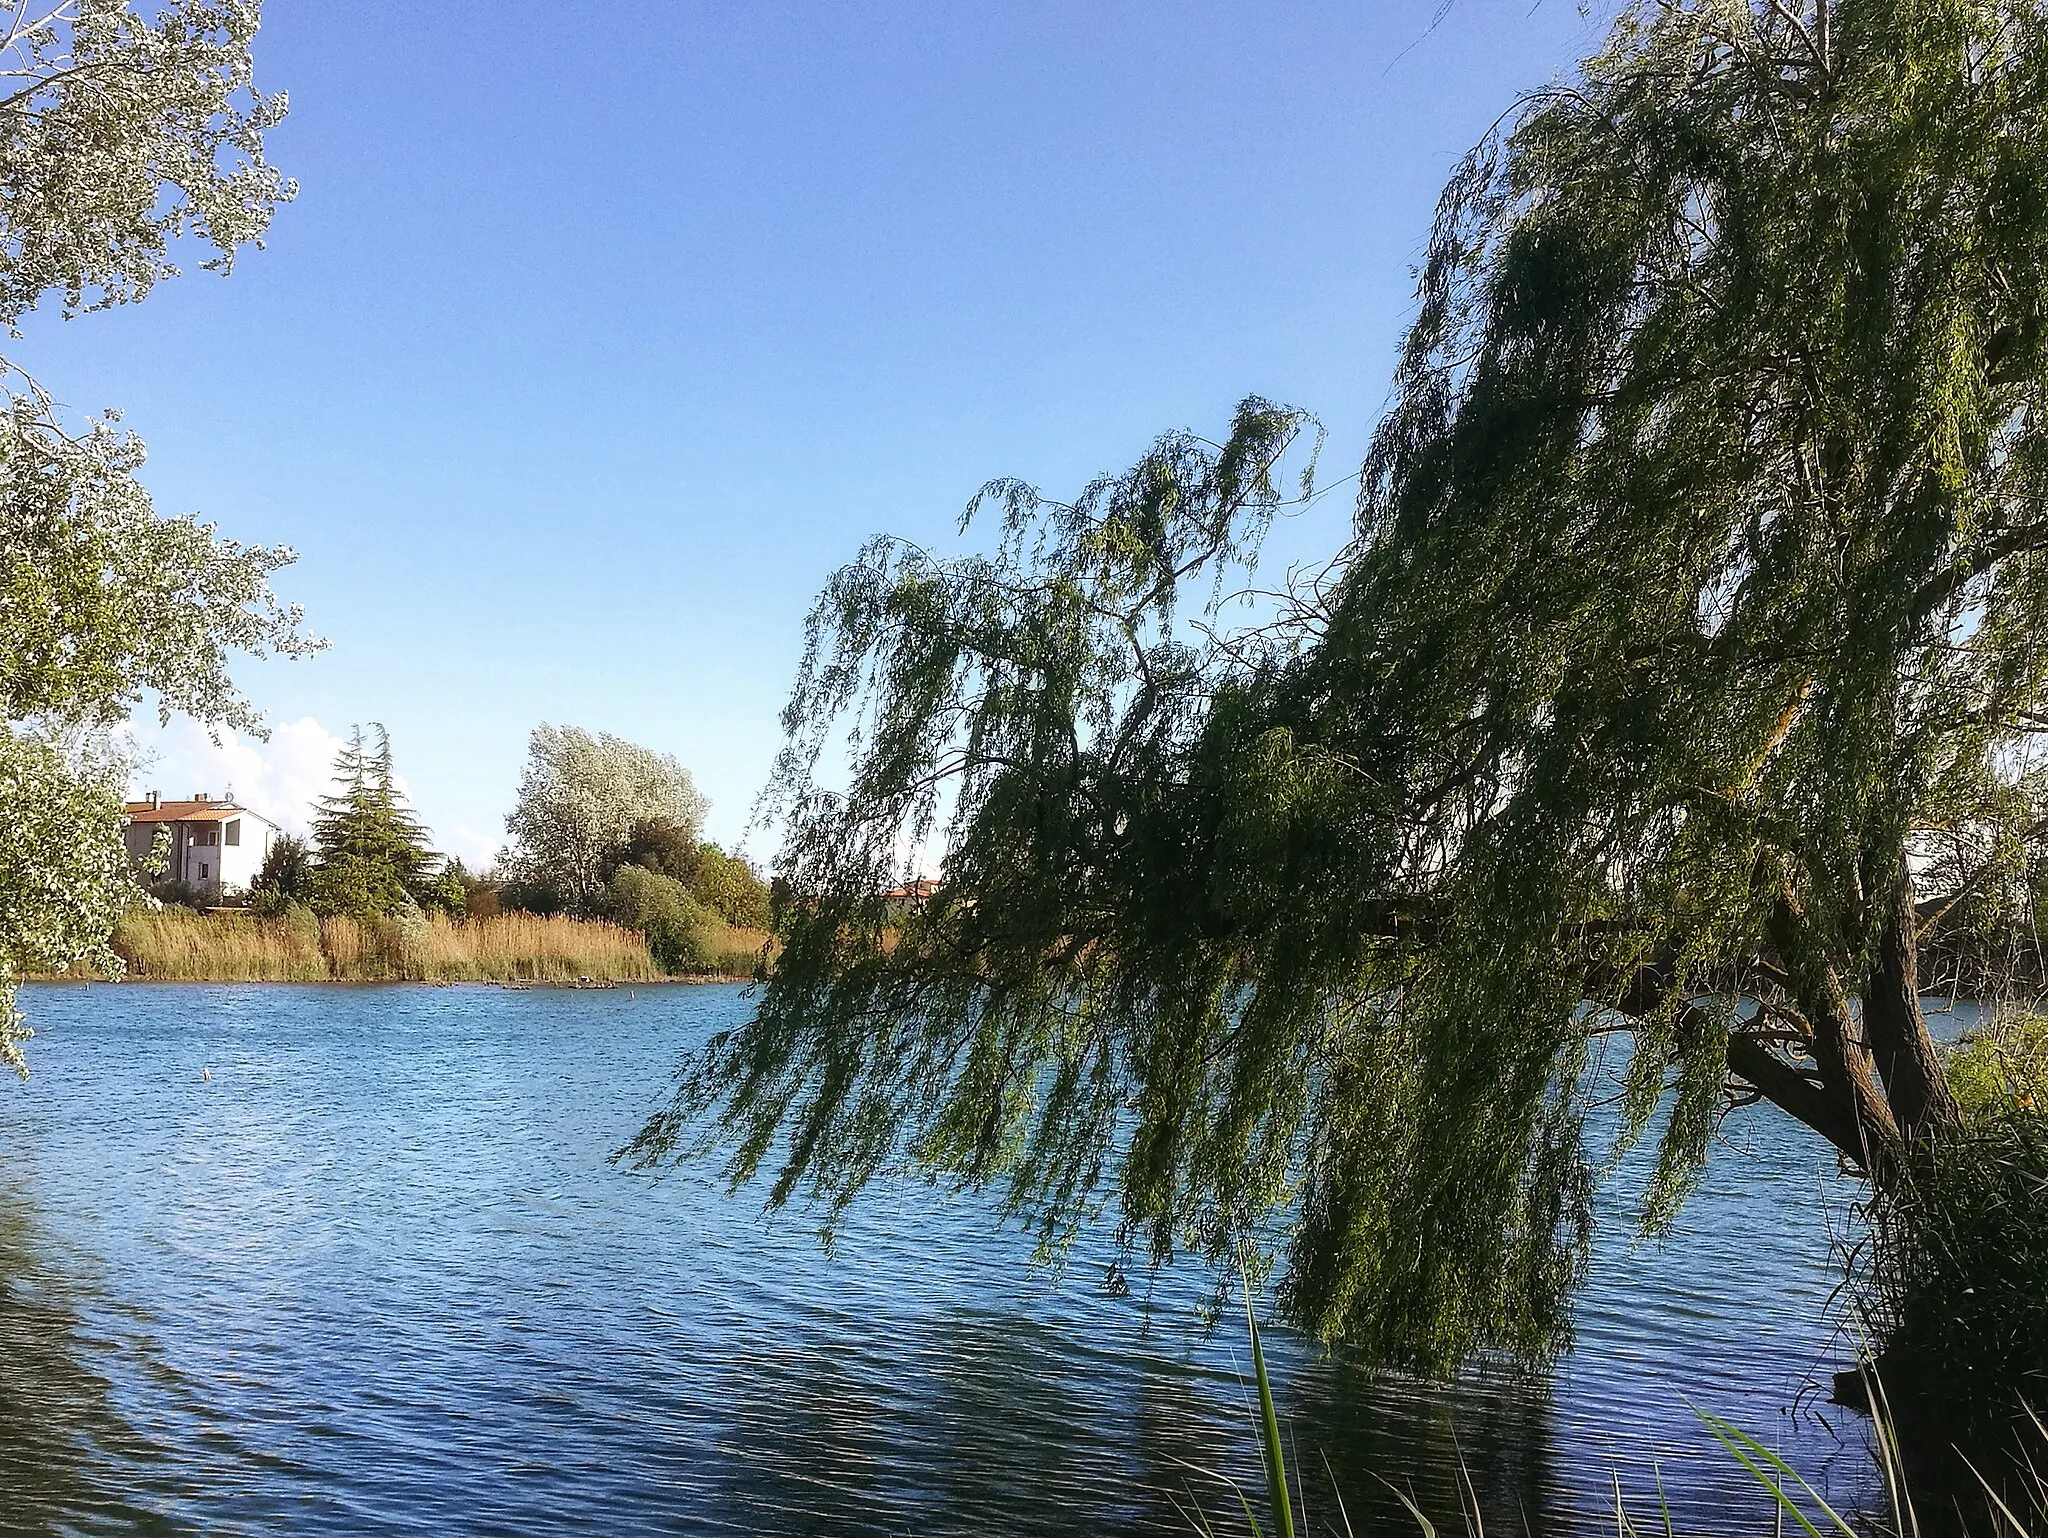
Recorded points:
234,835
202,870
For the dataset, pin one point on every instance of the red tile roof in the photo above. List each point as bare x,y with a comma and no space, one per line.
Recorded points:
184,811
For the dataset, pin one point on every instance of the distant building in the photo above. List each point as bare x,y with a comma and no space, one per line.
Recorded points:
217,847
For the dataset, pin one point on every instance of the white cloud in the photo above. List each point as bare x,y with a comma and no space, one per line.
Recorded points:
278,779
474,849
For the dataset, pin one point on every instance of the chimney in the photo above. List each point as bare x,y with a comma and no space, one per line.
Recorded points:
199,796
155,800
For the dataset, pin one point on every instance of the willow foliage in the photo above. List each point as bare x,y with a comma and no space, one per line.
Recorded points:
1690,630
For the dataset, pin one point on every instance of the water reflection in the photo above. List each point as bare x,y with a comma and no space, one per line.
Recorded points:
68,1454
975,1421
1370,1431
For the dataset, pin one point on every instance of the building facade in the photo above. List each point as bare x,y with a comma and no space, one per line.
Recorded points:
217,848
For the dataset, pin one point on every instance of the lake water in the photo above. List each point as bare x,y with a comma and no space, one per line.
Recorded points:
377,1276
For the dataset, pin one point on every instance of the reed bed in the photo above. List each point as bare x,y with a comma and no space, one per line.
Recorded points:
180,947
174,946
730,951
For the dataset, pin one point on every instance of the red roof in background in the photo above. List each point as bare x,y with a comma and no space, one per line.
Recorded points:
187,811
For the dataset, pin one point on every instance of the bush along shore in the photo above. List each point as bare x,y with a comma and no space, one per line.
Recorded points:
177,945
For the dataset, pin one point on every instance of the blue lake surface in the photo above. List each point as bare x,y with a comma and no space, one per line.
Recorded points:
377,1276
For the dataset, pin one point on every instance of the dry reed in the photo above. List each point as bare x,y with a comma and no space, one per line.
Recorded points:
735,952
174,946
180,947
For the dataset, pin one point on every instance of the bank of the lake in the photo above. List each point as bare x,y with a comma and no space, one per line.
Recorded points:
376,1274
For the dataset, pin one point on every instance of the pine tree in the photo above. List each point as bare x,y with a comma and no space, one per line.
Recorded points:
373,854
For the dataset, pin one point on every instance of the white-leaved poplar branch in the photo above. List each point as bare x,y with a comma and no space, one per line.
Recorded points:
579,798
126,134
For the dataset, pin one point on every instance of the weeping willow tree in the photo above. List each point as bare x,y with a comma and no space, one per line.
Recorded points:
1679,680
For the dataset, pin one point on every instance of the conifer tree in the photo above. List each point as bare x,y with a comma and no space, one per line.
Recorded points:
372,850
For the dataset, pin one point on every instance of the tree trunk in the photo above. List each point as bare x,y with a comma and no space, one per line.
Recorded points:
1850,1077
1899,1041
1857,1119
1795,1093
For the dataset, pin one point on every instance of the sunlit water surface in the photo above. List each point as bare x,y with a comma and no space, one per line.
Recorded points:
376,1275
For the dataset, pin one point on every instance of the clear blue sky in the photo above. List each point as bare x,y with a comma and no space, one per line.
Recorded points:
599,334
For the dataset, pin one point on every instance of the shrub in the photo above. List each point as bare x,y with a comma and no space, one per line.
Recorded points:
356,888
446,892
531,896
480,891
731,888
663,910
1956,1274
2002,1066
661,845
286,877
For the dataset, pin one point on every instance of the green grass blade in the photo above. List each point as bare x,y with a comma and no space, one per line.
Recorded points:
1250,1517
1191,1513
1742,1445
1468,1495
1905,1520
1269,1428
1997,1500
1343,1515
1428,1528
1623,1528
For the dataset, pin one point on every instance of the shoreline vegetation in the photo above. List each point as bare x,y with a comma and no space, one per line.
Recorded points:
178,946
607,880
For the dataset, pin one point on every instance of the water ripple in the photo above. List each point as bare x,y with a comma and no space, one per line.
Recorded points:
376,1276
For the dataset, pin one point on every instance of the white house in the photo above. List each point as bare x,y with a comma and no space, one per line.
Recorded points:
217,847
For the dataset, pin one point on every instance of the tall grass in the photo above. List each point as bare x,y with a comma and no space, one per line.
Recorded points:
182,947
508,947
1955,1284
730,950
174,946
2014,1507
1954,1276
